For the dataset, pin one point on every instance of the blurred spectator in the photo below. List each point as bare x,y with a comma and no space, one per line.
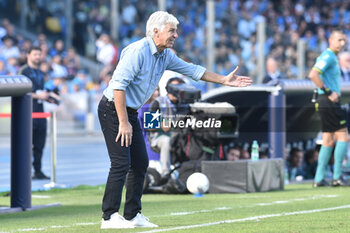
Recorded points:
10,30
3,69
310,164
106,51
233,153
58,49
41,39
54,85
12,66
246,25
128,16
322,43
72,63
344,62
2,33
46,69
273,74
244,154
289,69
58,70
44,52
9,49
294,164
25,45
80,81
263,154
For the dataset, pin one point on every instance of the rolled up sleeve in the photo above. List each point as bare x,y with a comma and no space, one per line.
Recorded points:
188,69
128,67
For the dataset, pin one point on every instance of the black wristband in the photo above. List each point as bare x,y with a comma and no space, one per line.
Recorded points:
326,90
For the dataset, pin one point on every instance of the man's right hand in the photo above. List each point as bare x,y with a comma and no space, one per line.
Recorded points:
44,95
41,95
124,133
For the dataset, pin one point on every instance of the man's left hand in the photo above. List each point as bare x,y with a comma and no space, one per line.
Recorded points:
333,97
234,80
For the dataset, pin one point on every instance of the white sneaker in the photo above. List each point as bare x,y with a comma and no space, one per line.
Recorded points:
141,221
116,222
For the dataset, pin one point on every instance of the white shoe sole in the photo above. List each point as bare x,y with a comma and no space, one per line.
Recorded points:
112,226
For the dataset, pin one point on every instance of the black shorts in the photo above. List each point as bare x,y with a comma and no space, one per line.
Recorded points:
332,116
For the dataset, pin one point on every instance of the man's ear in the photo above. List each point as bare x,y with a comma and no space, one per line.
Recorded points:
156,31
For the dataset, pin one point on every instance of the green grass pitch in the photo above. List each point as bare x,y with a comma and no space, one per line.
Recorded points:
299,208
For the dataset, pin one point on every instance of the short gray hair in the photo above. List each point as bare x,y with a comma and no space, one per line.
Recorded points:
159,20
344,54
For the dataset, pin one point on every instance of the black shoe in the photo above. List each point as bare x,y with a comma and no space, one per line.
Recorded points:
340,182
40,176
322,183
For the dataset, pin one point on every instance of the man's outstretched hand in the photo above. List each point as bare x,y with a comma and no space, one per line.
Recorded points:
234,80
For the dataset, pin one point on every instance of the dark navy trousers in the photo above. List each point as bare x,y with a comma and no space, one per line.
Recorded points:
128,164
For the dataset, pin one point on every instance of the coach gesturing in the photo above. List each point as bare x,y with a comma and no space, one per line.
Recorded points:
139,70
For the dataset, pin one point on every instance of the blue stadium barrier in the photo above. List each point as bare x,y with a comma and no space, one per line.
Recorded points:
21,138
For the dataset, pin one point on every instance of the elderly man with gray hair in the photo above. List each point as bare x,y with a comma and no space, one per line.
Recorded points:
344,63
134,80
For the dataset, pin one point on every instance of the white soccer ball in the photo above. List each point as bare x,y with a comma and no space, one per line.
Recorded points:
197,183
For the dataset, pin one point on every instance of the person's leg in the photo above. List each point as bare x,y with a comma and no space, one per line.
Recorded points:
119,157
138,169
340,152
39,138
163,143
324,155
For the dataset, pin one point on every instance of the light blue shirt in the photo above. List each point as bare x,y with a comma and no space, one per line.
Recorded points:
328,66
140,68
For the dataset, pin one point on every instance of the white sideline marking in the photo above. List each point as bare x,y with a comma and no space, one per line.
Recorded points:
200,211
55,227
33,229
248,219
315,197
86,223
41,196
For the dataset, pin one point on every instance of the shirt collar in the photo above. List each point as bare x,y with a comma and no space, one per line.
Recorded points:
331,51
153,47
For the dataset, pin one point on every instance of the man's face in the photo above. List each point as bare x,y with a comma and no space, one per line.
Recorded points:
166,38
233,155
8,43
34,57
337,41
297,159
344,61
